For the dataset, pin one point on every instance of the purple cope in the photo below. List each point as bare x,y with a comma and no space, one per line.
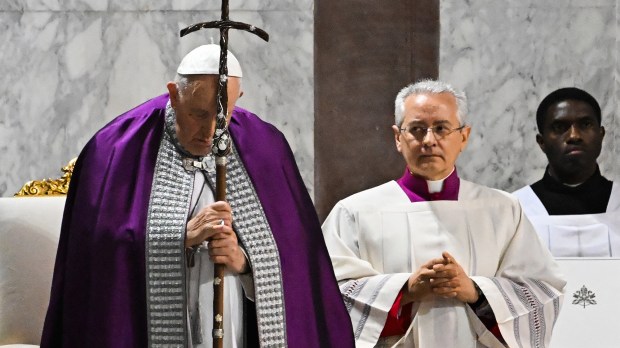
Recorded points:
98,296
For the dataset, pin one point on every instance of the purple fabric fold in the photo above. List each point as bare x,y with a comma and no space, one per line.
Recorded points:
98,289
315,312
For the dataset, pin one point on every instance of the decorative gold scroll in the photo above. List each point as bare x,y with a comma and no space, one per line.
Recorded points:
49,187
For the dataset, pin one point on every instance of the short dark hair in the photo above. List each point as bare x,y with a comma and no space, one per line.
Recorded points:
562,94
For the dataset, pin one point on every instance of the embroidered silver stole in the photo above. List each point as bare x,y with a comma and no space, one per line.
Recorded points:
165,248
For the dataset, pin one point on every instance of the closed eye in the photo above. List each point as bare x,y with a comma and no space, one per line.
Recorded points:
200,114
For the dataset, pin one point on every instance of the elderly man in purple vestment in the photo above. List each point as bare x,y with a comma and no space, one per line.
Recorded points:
431,260
142,230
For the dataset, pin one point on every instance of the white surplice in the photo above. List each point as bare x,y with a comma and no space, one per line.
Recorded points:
200,287
583,235
377,238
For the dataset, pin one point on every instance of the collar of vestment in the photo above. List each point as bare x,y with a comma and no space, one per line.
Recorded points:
592,183
591,197
416,188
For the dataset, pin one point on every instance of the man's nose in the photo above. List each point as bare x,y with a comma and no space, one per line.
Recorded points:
574,133
429,137
209,123
207,128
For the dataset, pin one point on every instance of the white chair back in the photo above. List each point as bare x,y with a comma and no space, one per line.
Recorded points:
29,231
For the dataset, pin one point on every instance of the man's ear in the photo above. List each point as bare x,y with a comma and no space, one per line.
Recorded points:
396,131
173,91
541,142
465,132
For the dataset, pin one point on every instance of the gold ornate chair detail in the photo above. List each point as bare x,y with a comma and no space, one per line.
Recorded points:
49,187
29,232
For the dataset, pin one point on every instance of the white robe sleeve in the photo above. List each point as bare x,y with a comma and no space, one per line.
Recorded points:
368,294
527,291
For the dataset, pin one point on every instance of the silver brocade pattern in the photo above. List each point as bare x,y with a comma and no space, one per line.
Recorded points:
168,209
252,228
165,257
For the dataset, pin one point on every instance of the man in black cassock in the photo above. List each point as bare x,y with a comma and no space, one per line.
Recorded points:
574,208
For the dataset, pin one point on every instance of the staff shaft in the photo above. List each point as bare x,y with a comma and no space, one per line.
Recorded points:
218,271
220,179
221,147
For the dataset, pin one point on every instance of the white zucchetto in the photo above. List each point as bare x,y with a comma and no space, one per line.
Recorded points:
205,60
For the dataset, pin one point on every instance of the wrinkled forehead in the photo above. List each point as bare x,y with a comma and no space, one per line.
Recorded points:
205,87
202,86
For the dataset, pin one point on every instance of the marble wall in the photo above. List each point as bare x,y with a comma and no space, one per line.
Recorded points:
507,56
68,67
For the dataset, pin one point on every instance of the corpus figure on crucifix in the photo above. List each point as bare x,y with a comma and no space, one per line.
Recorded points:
143,228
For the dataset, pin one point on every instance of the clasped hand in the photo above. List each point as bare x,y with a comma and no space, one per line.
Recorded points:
440,277
213,223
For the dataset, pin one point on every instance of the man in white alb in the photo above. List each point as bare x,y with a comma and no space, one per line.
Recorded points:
431,260
575,209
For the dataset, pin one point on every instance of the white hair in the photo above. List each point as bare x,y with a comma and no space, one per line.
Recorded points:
184,81
429,87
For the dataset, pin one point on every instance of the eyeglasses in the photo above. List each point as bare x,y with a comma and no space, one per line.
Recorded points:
440,131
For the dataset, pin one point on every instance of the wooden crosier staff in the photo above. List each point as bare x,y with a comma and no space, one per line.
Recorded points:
221,146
